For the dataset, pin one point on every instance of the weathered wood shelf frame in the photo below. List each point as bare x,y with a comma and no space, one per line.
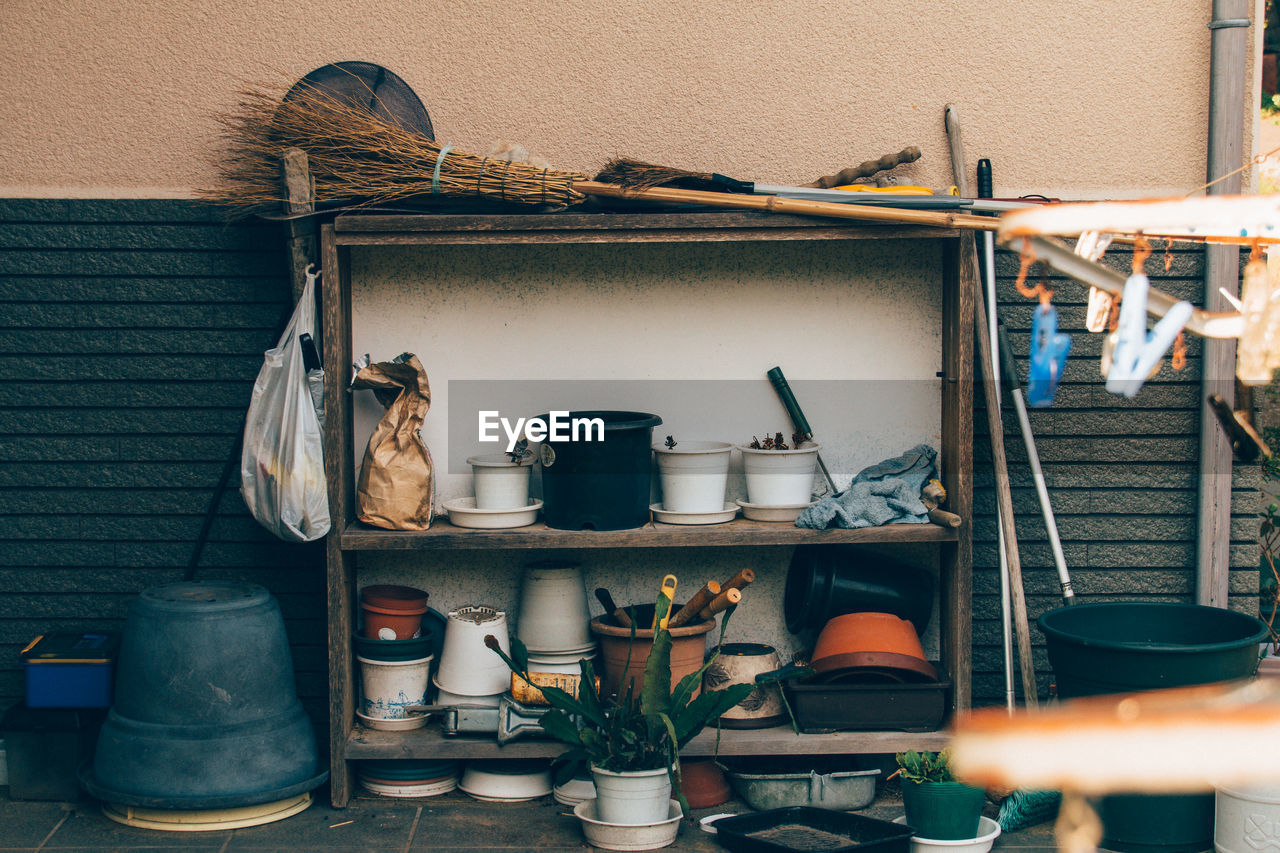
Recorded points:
348,741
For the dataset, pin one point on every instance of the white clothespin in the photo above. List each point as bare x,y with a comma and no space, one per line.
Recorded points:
1090,246
1137,352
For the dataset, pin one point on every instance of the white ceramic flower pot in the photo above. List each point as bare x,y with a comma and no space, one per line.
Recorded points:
1246,818
636,797
467,666
779,477
574,667
499,482
553,609
388,687
693,475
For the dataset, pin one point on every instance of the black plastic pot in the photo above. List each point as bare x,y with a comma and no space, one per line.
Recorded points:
599,484
206,715
1121,647
825,581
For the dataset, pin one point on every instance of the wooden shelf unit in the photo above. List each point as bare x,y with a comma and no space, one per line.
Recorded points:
348,741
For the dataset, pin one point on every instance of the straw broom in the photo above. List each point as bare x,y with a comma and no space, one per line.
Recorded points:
358,159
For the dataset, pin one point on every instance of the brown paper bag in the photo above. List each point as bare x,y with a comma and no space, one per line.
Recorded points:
396,485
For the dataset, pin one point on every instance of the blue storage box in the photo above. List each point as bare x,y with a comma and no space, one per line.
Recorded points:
70,670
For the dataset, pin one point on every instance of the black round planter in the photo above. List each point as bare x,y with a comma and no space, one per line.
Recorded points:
206,715
1120,647
599,484
825,581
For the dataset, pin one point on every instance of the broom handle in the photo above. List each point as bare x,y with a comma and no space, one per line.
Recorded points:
776,204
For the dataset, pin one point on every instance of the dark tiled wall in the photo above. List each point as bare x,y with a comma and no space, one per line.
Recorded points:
1122,476
130,335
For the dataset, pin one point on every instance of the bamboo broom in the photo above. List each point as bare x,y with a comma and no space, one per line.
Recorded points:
359,159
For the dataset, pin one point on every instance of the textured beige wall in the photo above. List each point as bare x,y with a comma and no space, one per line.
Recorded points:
1090,98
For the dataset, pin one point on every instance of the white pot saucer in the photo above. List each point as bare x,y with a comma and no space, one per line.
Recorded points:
412,721
764,512
719,516
463,513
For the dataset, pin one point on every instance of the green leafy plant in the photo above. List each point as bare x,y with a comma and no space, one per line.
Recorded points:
631,732
925,766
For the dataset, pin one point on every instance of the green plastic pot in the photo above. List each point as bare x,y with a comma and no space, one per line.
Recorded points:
942,811
1121,647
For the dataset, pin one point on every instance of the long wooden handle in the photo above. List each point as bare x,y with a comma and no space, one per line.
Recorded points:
775,204
1004,491
726,599
740,580
694,606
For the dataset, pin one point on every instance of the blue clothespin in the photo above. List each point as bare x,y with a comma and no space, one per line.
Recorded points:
1138,353
1049,349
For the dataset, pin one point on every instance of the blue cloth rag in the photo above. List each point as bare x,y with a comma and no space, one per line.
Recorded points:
885,493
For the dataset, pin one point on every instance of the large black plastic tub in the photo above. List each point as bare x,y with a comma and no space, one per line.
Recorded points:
599,485
1121,647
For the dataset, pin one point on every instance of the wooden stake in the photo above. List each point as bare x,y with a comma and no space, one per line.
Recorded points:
300,197
723,601
694,606
1004,496
740,580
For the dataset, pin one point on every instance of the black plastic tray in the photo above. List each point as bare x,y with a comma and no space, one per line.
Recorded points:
825,708
804,829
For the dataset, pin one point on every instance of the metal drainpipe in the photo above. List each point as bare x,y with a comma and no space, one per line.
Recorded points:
1227,73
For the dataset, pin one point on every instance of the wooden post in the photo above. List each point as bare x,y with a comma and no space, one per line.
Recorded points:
299,198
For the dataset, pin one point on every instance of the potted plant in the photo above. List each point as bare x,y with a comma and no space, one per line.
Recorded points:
778,474
502,479
938,806
631,742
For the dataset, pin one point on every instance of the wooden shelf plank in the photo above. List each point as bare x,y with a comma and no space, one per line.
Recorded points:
442,534
430,742
356,229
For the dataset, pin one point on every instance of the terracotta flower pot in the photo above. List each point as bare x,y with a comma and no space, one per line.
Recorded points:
688,649
703,783
392,612
867,632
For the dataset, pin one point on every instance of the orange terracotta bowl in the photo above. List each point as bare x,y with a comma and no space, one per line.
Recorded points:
703,783
867,632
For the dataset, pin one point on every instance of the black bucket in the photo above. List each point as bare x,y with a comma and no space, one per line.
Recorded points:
825,581
1121,647
206,715
589,483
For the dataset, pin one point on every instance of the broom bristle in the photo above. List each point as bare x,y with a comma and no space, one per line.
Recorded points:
357,158
637,175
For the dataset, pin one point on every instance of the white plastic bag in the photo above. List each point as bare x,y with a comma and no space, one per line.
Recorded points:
282,464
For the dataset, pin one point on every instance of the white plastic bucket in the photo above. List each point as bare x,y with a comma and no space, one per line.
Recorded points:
390,686
500,483
1246,819
553,608
637,797
467,666
780,477
693,475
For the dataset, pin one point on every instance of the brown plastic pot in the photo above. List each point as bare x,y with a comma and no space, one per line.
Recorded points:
703,783
688,648
872,668
867,632
397,609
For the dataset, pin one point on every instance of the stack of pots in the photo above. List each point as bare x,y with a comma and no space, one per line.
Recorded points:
394,652
869,611
554,617
205,714
470,672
